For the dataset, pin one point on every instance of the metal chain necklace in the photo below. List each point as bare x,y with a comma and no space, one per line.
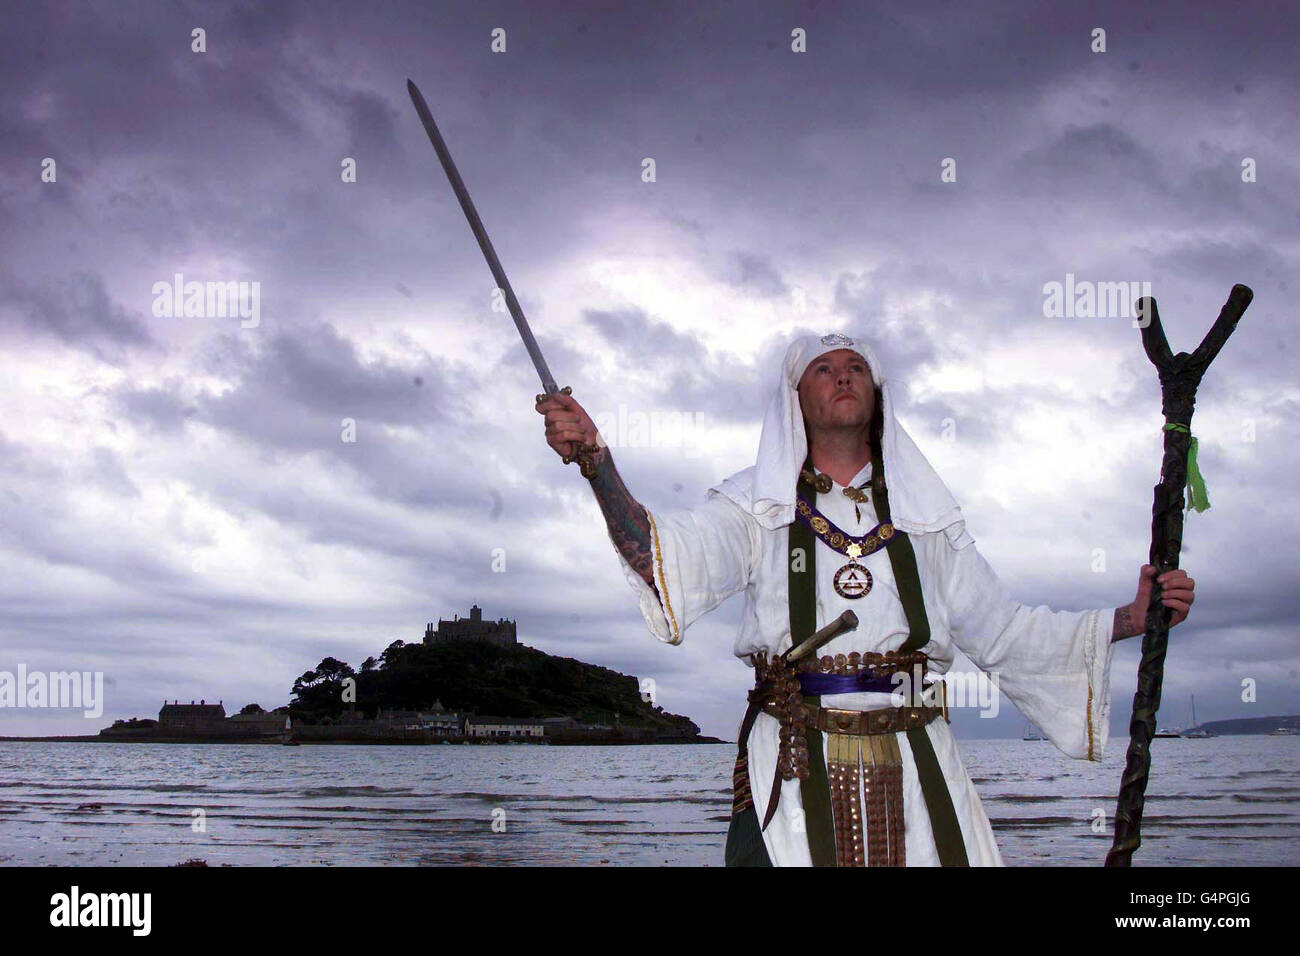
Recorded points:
852,581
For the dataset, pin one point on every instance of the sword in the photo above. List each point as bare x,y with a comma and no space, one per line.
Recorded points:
579,452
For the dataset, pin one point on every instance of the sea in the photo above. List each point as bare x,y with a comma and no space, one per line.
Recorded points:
1214,802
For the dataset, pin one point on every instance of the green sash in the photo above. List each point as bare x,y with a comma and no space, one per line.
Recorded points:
902,558
814,790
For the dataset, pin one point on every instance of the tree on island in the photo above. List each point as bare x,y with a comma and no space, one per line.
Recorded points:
318,694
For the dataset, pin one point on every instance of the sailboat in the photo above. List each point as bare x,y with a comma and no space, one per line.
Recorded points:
1196,732
1031,732
288,740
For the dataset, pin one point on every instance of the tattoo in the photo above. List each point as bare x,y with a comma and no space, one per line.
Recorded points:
626,518
1124,625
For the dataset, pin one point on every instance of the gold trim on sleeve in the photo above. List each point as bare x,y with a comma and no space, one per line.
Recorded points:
1090,657
1090,756
663,583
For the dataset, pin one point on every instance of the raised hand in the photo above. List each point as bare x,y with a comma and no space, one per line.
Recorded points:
568,426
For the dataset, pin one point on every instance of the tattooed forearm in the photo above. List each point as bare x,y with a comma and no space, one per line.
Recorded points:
1125,626
628,524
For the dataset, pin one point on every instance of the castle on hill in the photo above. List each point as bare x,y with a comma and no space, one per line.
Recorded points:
473,628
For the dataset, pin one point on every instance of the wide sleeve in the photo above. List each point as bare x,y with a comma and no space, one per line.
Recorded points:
1053,665
702,556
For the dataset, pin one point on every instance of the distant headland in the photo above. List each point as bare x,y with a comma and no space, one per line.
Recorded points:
468,681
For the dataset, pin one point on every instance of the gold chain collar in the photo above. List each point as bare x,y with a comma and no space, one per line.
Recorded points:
851,545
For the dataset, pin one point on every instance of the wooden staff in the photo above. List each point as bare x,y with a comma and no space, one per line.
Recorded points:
1179,377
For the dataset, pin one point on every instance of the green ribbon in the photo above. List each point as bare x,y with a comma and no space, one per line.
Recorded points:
1197,497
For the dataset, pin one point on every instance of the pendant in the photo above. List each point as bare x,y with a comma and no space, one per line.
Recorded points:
853,581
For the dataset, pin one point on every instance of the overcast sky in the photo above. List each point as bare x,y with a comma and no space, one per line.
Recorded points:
182,512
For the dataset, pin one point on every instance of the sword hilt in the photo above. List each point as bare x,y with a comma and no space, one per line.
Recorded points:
585,456
581,452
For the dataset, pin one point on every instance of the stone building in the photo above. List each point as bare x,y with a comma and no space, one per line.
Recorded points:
257,724
397,719
473,628
192,719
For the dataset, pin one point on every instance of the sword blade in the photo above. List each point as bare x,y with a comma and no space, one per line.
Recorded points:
484,243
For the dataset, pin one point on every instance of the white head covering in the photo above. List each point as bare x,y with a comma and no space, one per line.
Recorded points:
919,501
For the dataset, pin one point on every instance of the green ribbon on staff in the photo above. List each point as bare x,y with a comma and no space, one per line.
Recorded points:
1197,497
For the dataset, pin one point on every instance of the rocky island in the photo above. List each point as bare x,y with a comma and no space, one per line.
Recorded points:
468,681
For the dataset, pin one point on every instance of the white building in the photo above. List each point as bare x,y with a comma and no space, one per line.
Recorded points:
504,727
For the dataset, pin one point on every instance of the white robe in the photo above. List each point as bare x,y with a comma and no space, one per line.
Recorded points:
1053,665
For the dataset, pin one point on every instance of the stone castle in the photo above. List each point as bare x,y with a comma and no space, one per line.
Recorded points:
473,628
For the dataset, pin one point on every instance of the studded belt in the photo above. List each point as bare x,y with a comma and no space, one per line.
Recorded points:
862,723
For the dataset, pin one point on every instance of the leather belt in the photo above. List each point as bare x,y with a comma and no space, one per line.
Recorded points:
861,723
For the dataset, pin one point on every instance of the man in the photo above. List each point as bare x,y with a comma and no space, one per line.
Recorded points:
842,512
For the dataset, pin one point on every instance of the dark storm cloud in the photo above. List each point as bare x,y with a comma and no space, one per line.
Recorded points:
289,400
1254,263
317,368
633,332
160,408
41,522
293,397
118,88
1101,152
78,312
931,415
689,377
1108,169
110,474
755,275
370,120
903,343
